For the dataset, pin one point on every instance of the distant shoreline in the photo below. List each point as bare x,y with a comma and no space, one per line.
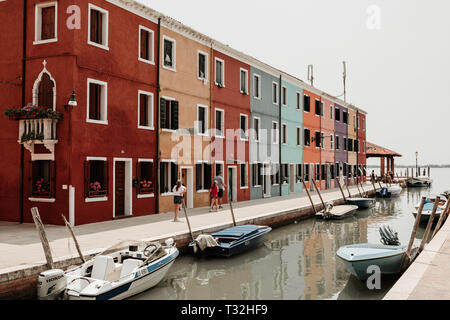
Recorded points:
413,166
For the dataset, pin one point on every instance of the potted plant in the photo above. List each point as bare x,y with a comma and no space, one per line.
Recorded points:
33,112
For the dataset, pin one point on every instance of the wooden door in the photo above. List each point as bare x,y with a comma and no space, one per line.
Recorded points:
184,182
120,189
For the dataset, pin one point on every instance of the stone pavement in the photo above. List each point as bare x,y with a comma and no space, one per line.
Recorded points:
20,247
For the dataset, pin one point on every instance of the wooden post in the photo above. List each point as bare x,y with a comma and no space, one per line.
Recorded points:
365,193
309,196
374,188
429,225
348,190
428,172
187,220
380,185
441,219
340,188
318,192
359,191
42,236
413,234
74,239
232,214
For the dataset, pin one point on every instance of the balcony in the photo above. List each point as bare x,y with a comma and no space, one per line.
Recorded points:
41,131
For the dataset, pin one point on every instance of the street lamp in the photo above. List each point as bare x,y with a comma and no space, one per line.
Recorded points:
417,172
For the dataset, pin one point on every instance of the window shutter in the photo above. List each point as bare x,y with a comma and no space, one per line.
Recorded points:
162,177
144,45
198,182
143,110
94,25
207,176
174,174
48,23
87,178
52,179
174,110
138,176
163,113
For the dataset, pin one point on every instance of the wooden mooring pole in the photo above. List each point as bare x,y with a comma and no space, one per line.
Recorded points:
429,225
187,220
359,191
441,219
74,239
348,190
374,188
309,196
232,214
318,192
342,191
364,192
413,234
42,236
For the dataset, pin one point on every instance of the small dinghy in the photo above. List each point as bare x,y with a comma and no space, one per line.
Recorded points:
332,212
114,276
230,241
361,202
388,256
394,190
418,182
428,208
383,193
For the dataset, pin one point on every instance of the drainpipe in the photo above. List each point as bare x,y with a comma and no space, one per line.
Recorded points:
157,117
24,54
279,136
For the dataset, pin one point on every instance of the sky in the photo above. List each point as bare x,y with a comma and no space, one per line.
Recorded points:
397,55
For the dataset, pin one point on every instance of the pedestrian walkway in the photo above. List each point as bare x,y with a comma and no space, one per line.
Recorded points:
20,246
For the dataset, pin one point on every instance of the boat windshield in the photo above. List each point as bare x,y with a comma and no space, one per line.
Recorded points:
124,244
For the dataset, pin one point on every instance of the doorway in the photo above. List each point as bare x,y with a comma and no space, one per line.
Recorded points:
187,179
232,184
266,180
292,177
122,186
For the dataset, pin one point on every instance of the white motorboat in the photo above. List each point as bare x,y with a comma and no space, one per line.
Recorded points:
395,190
337,212
113,276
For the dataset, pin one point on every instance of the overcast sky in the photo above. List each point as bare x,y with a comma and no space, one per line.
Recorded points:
397,54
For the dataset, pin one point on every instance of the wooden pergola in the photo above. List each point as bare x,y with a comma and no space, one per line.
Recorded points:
375,151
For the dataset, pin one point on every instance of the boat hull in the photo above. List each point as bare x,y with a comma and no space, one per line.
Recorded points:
425,216
339,212
361,202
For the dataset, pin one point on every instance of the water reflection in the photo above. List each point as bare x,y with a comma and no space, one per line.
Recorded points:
296,262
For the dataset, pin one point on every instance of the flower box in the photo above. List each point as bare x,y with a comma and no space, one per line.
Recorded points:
33,112
98,193
146,190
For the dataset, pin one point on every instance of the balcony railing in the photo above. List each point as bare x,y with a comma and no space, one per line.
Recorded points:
37,130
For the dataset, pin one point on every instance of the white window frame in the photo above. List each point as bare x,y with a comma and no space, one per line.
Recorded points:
104,107
100,199
284,89
246,176
152,52
105,27
174,54
364,124
38,22
151,110
222,164
277,133
223,123
150,195
322,140
277,94
169,176
223,71
284,137
202,174
246,127
258,132
206,121
206,77
304,103
298,105
331,112
246,81
259,86
337,147
332,142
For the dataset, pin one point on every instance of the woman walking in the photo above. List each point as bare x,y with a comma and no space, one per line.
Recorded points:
179,190
214,196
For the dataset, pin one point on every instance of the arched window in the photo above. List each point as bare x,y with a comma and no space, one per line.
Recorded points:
45,93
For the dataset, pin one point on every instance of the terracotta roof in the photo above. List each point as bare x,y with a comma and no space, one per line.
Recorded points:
373,150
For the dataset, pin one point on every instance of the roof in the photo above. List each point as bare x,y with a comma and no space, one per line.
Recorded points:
373,150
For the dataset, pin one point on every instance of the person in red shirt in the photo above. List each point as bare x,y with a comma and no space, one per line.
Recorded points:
214,196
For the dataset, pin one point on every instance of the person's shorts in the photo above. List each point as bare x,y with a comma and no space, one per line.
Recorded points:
178,200
220,194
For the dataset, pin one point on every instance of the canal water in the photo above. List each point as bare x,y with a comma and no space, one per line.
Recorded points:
298,261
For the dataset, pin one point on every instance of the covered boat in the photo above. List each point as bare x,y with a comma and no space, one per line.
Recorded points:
418,182
394,190
230,241
361,202
337,212
111,276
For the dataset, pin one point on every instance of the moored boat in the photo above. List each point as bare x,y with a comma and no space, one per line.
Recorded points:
361,202
337,212
394,190
418,182
428,208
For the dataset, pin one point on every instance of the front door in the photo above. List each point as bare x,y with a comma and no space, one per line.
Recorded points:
120,189
184,182
292,178
266,180
230,185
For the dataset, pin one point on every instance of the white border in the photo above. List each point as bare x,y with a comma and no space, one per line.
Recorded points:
277,93
38,22
246,127
104,100
174,53
246,81
105,27
152,53
206,78
149,94
284,103
206,134
150,195
223,71
259,86
223,123
128,210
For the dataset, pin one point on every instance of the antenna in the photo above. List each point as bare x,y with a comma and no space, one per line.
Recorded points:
311,74
344,75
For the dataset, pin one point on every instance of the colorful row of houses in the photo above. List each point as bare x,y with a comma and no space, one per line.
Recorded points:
155,102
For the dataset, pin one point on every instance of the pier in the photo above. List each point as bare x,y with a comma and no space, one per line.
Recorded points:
26,259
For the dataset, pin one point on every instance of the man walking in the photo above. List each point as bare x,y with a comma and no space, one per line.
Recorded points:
222,186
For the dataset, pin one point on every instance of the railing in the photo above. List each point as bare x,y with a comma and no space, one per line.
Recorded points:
37,130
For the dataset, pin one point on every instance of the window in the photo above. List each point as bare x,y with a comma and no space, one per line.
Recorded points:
275,93
46,92
298,177
256,86
322,140
323,172
337,114
203,176
284,133
244,127
146,40
331,142
96,178
145,114
317,139
285,173
219,168
244,81
169,114
330,167
344,169
307,137
317,172
321,109
364,147
202,120
98,27
299,102
318,108
350,144
275,177
337,170
43,179
202,66
168,176
331,112
220,73
219,118
46,22
306,167
256,128
275,132
364,124
354,122
345,144
257,176
299,132
337,143
169,53
345,117
97,101
244,175
357,122
145,176
284,95
356,146
306,103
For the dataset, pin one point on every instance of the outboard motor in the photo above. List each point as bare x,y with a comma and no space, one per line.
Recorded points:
51,285
389,237
384,192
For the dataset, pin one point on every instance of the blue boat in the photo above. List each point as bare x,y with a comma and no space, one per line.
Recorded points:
427,209
384,193
235,240
359,257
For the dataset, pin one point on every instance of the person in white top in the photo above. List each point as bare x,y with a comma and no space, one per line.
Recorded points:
179,190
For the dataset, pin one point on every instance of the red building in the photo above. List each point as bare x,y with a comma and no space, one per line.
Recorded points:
91,163
361,118
231,105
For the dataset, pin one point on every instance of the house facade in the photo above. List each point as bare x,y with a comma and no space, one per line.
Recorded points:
327,157
352,145
340,141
